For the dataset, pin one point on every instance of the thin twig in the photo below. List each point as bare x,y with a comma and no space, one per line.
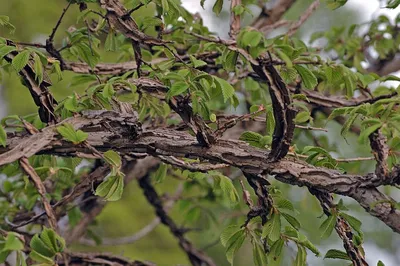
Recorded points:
303,18
41,190
51,37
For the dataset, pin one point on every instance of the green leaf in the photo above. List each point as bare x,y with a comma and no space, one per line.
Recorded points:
335,4
269,120
3,136
230,59
259,256
368,131
20,60
336,254
228,189
284,57
302,117
38,68
40,247
327,226
5,21
292,220
282,203
113,158
68,132
272,229
12,242
228,232
380,263
34,255
165,6
178,88
111,189
233,244
308,78
196,62
161,173
111,41
253,138
301,256
108,91
276,248
5,50
227,90
353,221
218,6
393,4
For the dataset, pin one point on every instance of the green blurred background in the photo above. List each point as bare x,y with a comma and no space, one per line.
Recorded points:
34,21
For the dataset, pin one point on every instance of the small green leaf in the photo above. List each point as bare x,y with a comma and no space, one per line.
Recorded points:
178,88
111,41
161,173
253,138
302,117
327,226
353,221
380,263
259,256
282,203
20,60
111,189
113,158
12,242
284,57
3,136
335,4
308,78
34,255
272,229
39,246
5,50
276,248
233,244
38,68
336,254
68,132
292,220
228,232
301,256
218,6
196,62
227,90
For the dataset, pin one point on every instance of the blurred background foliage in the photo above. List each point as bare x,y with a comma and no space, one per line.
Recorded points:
34,21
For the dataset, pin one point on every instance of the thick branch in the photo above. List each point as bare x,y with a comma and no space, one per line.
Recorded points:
270,16
120,131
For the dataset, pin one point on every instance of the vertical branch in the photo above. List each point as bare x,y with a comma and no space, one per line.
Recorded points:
235,19
342,228
41,190
381,153
196,257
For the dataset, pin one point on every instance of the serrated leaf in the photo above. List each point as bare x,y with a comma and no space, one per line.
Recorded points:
3,136
228,232
253,138
196,62
68,132
227,90
272,229
111,41
227,187
233,244
230,59
38,68
336,254
40,258
12,242
308,78
276,248
301,256
111,189
39,246
307,244
282,203
20,60
178,88
327,226
259,256
291,219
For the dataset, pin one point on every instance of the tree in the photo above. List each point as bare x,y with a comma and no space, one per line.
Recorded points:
167,111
